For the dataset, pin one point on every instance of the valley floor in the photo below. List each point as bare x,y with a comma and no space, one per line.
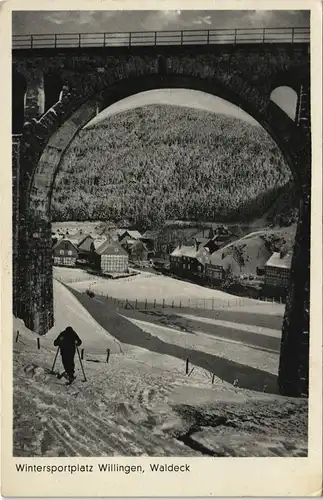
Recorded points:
142,402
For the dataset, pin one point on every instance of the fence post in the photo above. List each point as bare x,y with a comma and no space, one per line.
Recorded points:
130,39
38,343
235,36
155,38
55,41
31,41
208,37
186,367
172,304
145,303
181,37
82,354
163,303
136,304
213,303
154,303
103,39
17,336
108,355
293,32
79,40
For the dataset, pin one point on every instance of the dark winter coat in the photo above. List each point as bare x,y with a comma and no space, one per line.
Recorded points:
68,340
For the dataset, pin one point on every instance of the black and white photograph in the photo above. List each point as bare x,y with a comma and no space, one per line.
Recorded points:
161,234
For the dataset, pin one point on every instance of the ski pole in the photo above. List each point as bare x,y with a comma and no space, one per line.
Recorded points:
52,370
78,352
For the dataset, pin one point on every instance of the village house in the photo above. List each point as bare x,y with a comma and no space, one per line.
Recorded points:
149,238
127,235
137,250
86,249
183,260
215,240
64,253
111,258
277,271
216,268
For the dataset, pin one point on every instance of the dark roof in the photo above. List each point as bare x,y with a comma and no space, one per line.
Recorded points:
88,246
202,241
135,235
64,240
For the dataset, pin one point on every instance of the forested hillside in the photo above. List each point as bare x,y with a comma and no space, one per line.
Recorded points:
162,162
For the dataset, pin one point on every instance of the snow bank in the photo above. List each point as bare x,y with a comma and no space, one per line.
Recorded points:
69,312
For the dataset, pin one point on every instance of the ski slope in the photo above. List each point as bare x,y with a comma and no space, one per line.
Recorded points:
141,402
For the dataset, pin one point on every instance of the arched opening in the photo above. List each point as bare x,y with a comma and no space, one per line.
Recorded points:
273,119
19,87
286,98
52,88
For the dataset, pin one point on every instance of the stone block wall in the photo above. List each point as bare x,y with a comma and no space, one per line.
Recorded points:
245,76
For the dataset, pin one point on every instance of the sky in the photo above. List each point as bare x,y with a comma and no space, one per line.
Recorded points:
34,22
45,22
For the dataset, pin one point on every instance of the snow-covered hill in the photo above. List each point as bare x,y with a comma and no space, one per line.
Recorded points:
141,402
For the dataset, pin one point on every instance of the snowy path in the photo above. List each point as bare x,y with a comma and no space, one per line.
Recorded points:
226,368
238,326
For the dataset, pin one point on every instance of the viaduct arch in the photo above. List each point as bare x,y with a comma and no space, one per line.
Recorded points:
92,80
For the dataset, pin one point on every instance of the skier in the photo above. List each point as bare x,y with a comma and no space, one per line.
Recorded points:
67,342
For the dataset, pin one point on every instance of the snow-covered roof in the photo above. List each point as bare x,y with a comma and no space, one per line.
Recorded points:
76,237
203,255
98,241
184,251
277,261
150,234
134,235
215,259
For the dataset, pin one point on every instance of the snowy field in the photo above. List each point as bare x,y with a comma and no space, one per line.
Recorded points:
153,287
142,402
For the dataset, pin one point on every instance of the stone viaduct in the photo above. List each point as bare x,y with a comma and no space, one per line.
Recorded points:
56,91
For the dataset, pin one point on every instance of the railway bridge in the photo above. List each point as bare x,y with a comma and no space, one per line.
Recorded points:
61,81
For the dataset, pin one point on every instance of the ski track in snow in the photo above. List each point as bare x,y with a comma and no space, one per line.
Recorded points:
125,408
